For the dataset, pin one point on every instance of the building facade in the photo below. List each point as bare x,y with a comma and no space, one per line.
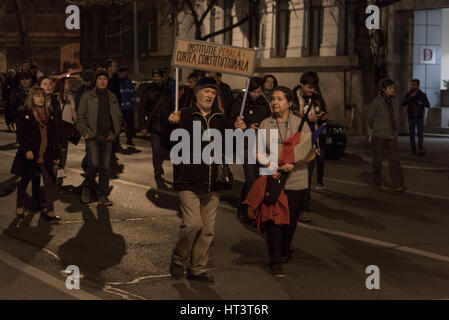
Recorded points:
291,37
51,45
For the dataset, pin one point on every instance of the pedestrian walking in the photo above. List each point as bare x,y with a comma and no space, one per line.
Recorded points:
38,151
7,89
88,84
197,194
279,220
154,112
416,102
255,111
128,103
67,110
187,97
99,122
384,135
311,106
17,99
225,97
269,83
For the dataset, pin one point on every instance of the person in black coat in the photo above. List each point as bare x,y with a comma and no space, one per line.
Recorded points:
154,112
38,151
17,98
256,110
416,102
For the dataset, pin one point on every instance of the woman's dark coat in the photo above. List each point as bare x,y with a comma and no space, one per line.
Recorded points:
29,136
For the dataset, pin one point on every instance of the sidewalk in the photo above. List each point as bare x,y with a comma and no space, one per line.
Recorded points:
436,158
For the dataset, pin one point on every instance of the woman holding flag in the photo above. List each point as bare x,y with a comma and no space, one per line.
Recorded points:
275,201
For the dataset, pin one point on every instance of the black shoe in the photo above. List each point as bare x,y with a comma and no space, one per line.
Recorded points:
176,271
103,200
202,277
85,196
130,143
52,219
160,182
20,215
421,153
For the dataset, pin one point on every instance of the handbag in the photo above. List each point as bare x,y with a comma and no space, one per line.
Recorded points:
223,178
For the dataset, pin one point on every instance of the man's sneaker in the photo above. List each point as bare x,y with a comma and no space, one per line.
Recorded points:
304,217
176,271
85,196
202,277
277,270
320,187
103,200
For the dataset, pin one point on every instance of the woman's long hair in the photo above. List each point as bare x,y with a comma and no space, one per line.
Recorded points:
29,104
59,88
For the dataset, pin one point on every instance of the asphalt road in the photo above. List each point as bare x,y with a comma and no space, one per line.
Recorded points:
123,252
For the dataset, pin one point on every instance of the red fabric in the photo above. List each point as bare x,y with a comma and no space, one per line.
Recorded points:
288,149
257,210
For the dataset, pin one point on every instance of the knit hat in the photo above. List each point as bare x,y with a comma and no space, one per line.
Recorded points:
101,73
206,83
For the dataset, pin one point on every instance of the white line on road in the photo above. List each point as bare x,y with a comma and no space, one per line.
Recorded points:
376,242
355,183
47,279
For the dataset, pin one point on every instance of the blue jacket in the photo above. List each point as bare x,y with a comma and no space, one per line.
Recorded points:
128,96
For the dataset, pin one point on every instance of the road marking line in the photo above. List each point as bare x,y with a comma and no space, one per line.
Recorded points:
376,242
409,192
121,293
140,279
44,277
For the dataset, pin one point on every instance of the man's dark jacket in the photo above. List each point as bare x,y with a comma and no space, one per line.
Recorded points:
414,109
197,177
155,109
114,87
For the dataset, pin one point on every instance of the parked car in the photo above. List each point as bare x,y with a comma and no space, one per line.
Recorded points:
335,141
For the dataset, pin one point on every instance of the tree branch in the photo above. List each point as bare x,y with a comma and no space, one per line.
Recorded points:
193,11
235,25
209,8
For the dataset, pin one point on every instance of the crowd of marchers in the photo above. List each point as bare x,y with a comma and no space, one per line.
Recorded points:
47,117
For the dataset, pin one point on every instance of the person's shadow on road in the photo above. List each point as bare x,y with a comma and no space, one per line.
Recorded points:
8,186
38,236
197,291
95,248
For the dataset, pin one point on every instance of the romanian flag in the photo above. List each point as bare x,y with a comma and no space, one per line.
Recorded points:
298,146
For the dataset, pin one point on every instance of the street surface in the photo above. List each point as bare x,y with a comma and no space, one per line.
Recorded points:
123,251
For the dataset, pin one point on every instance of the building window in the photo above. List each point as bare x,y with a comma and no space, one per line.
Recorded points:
315,29
282,27
228,20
